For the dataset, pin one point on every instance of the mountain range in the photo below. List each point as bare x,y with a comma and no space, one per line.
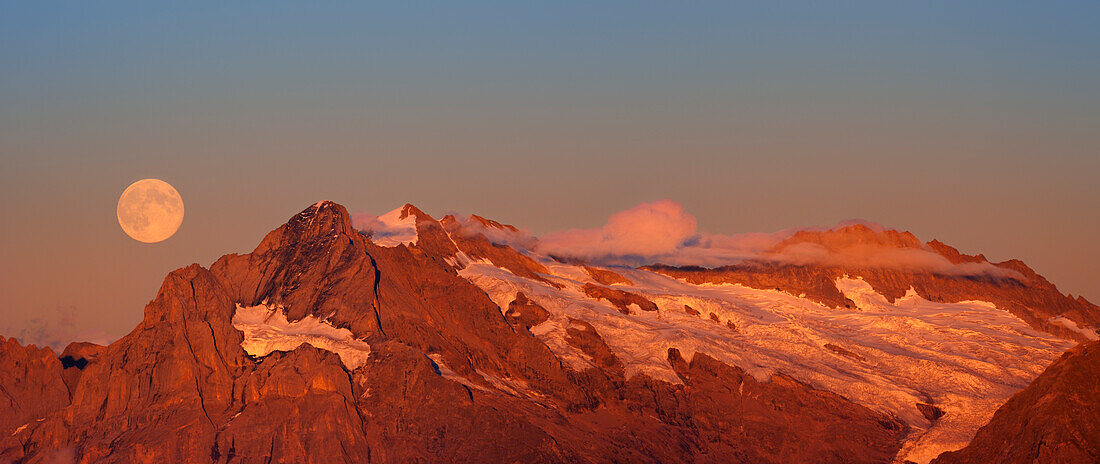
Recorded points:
405,338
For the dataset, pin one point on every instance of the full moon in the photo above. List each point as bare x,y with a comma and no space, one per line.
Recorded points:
150,210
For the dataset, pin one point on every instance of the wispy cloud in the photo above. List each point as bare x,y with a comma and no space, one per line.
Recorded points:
54,329
879,256
663,232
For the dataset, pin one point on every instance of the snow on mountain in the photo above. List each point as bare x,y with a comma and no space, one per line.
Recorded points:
266,329
761,362
397,227
963,359
1071,325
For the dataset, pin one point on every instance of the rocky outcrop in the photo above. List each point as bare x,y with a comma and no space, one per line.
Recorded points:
1056,419
605,277
582,335
522,312
620,299
298,406
415,415
75,359
31,389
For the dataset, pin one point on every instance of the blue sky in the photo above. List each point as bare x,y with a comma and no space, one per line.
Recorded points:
977,123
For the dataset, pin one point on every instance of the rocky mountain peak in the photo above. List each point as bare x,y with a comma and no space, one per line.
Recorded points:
322,218
411,210
322,221
491,224
953,255
851,236
31,385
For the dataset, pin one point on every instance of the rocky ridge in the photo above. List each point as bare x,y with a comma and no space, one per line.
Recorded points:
453,376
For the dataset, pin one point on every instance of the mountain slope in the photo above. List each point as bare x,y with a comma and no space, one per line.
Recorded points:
451,341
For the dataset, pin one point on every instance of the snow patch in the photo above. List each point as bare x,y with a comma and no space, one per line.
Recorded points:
1069,324
267,329
449,374
512,387
460,259
20,429
390,229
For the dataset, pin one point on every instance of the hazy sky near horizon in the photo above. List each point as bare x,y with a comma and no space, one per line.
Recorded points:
977,123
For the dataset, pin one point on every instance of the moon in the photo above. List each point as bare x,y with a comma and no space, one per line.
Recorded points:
150,210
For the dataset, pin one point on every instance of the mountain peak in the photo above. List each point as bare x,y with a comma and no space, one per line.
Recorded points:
321,218
849,236
411,210
491,224
952,254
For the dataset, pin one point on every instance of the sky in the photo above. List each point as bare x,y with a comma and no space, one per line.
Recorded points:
977,124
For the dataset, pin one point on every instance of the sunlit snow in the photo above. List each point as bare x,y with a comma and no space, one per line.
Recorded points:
514,387
390,230
1069,324
266,329
967,358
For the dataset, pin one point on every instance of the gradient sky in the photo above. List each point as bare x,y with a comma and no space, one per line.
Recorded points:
975,123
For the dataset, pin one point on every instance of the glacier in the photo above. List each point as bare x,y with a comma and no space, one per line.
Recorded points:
966,358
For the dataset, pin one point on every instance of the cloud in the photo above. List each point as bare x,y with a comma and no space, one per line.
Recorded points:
878,256
55,330
658,232
370,223
649,229
662,232
715,250
495,232
388,229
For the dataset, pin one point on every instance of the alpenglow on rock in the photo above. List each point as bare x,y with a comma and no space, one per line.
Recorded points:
452,340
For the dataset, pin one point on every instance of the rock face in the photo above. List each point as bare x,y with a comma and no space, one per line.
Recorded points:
622,300
1054,420
525,313
605,277
31,389
734,409
452,375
